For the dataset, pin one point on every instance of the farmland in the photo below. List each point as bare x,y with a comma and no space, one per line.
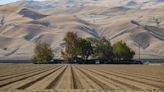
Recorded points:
81,77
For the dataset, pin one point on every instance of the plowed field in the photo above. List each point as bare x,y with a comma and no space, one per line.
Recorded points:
81,77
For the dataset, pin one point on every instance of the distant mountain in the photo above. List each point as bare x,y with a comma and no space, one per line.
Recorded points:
26,22
22,27
49,4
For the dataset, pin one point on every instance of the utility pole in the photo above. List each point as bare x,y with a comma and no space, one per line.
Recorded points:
139,51
2,21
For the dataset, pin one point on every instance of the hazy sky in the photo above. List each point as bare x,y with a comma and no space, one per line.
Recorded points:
9,1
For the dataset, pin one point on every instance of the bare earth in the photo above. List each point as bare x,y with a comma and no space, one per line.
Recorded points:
79,78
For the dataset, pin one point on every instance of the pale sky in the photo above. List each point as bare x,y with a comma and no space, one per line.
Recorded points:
9,1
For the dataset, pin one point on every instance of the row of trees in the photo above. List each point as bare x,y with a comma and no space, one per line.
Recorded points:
79,48
76,47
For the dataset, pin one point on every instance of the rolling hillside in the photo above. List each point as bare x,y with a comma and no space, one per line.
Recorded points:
21,31
22,27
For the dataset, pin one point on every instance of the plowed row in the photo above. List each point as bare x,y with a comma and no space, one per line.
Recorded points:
99,77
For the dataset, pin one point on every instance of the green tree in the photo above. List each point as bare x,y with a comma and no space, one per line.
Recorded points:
85,48
122,52
42,53
102,49
71,47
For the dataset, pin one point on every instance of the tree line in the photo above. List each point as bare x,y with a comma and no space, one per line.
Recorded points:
80,50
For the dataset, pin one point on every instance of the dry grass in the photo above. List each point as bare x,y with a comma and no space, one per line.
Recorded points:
20,31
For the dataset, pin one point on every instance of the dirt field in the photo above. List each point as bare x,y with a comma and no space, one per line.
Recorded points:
81,77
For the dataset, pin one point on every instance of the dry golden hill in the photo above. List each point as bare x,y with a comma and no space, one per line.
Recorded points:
21,28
